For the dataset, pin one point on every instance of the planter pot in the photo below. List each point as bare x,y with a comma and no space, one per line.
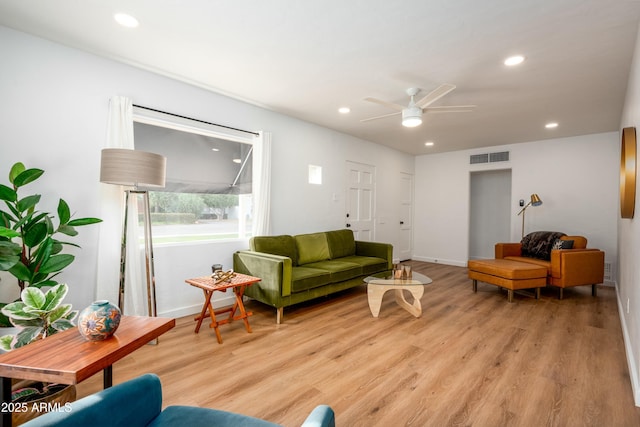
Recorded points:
27,404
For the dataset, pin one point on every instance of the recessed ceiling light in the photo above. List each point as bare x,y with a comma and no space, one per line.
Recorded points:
344,110
237,160
514,60
551,125
126,20
215,149
429,144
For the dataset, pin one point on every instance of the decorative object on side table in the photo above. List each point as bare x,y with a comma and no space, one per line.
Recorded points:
99,321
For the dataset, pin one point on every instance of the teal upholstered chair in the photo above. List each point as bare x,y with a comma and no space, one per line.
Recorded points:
138,402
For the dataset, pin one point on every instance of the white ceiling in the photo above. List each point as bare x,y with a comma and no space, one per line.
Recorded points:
306,58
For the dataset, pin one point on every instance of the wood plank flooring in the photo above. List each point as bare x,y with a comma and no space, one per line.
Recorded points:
470,360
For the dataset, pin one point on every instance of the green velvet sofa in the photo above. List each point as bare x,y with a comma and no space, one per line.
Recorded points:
299,268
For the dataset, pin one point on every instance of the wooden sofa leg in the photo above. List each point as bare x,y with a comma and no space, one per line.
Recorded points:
594,290
475,285
510,295
560,293
279,313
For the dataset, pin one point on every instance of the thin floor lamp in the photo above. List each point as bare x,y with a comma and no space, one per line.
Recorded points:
535,201
135,168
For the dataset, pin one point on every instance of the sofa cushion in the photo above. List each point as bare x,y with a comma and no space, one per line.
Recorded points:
276,245
303,278
312,247
562,244
339,269
529,260
539,243
579,242
341,243
369,264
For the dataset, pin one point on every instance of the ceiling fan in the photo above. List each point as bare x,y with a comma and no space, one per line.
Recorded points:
412,114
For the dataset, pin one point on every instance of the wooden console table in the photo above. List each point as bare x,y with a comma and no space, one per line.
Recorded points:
67,358
238,283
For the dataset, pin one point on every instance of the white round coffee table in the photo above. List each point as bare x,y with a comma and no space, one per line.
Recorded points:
377,287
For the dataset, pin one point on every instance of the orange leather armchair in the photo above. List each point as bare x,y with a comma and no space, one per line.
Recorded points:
578,266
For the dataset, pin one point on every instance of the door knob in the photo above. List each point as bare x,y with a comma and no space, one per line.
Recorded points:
401,222
348,225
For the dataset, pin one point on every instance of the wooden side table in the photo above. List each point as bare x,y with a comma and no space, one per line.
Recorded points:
238,284
67,358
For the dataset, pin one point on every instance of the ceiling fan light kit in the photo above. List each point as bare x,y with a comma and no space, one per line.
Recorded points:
411,117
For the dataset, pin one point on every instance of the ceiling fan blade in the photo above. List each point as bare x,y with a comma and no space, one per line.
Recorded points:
380,117
435,94
450,109
386,104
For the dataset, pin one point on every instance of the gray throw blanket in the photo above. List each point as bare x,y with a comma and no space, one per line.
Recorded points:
539,243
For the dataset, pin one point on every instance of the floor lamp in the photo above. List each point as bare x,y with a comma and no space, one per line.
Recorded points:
135,168
535,201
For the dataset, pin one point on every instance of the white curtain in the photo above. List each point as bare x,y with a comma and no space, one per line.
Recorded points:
262,185
120,135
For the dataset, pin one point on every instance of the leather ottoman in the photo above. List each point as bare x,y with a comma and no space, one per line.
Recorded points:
511,275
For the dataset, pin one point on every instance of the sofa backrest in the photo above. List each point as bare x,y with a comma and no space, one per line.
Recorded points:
341,243
312,248
579,242
283,245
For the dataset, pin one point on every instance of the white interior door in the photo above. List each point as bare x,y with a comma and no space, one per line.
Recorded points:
405,249
360,201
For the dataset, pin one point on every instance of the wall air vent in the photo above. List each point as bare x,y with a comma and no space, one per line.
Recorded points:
478,158
502,156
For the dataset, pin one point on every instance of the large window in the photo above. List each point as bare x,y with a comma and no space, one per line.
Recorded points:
208,193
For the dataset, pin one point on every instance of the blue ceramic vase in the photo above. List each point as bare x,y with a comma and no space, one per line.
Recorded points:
99,321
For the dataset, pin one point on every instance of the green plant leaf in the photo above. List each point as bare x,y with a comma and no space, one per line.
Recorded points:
59,312
20,271
27,336
33,298
28,203
16,170
26,177
84,221
5,342
56,263
64,214
54,296
8,194
7,232
9,255
62,325
23,323
68,230
15,310
4,320
45,283
35,234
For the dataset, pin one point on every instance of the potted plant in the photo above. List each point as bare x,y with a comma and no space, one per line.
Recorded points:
29,247
31,252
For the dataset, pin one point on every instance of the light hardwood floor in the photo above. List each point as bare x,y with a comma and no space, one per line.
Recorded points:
471,359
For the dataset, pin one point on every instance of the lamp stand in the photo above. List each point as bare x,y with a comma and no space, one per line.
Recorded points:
148,253
522,212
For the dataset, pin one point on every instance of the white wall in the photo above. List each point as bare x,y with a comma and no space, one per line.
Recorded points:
629,243
576,178
53,113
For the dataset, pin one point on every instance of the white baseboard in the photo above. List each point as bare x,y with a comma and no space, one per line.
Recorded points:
631,359
453,262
